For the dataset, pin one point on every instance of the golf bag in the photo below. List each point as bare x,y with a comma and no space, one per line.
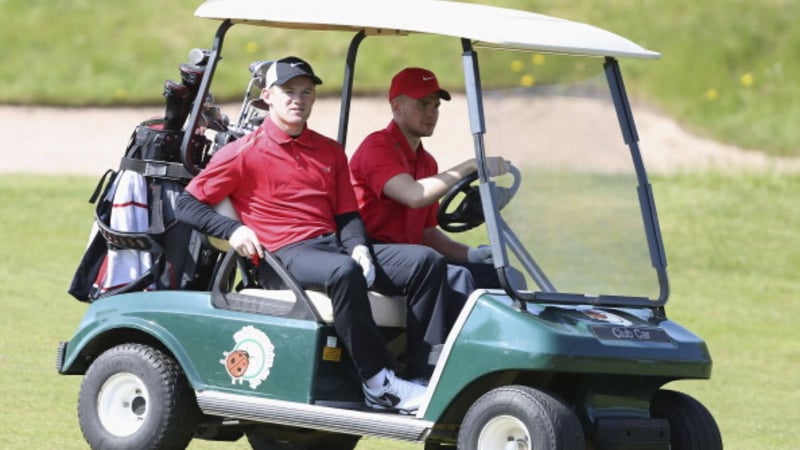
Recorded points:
135,242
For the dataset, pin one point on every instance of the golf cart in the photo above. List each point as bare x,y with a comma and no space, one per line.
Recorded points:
578,358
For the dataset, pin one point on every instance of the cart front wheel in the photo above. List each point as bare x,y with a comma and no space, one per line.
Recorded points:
520,418
135,397
692,427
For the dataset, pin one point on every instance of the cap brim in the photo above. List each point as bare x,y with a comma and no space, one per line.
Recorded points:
418,94
284,79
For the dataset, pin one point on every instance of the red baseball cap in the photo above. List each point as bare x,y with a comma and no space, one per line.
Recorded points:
416,83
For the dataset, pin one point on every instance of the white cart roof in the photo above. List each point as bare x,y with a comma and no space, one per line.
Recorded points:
483,25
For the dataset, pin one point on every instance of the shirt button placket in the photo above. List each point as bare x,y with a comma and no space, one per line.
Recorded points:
296,155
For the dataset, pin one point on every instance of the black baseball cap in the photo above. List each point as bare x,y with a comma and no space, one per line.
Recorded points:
287,68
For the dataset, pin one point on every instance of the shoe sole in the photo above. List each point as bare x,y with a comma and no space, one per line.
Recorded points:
389,409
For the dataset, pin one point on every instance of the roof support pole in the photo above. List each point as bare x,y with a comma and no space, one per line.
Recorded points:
347,85
199,101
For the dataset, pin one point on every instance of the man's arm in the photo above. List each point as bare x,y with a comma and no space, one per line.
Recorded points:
436,239
351,230
197,214
205,219
403,188
353,236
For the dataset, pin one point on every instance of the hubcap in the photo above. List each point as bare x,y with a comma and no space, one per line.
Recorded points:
504,433
122,404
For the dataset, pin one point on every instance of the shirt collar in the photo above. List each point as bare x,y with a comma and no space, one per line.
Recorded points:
282,138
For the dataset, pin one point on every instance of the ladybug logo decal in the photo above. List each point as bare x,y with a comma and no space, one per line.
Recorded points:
251,357
236,362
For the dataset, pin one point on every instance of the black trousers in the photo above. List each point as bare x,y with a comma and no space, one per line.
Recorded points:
464,278
414,271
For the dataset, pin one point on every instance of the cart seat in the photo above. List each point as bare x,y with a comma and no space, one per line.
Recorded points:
387,311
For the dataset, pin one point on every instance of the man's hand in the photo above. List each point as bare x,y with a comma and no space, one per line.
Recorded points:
362,257
482,254
245,242
497,165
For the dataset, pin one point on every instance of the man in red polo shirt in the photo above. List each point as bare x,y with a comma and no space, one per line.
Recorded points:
291,189
398,184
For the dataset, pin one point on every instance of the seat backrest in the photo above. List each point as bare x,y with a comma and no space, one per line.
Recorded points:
387,311
225,207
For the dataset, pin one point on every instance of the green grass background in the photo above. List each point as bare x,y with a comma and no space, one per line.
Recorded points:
729,71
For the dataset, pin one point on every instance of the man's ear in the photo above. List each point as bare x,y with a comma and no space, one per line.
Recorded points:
265,95
395,103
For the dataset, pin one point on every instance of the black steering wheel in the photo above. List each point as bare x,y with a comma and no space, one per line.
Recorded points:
468,213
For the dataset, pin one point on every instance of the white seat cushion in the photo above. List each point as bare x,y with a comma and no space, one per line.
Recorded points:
387,311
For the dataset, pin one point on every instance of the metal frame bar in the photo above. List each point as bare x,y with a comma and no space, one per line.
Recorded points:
202,92
647,202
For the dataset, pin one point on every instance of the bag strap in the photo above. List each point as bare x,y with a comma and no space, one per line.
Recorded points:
156,169
139,284
110,174
129,240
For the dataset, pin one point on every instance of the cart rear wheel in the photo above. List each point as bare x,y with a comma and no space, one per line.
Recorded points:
520,418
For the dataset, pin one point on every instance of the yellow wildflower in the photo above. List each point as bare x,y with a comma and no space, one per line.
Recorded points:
527,80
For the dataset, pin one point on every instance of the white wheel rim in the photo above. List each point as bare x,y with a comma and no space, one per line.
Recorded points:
504,433
122,404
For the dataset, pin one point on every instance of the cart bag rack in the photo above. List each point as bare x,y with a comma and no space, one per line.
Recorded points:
135,242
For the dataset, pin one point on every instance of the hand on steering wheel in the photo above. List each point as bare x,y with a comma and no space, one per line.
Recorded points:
468,213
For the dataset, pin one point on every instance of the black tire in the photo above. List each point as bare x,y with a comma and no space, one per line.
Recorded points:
267,438
135,397
216,432
692,427
438,446
529,416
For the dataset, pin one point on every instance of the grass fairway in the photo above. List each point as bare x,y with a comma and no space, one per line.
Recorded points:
732,247
731,242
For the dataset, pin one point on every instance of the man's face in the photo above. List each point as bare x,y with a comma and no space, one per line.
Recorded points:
290,104
417,116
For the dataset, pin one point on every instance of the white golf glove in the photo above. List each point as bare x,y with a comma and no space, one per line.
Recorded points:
245,241
362,257
482,254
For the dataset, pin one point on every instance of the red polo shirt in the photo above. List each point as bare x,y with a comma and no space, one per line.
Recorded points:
383,155
286,189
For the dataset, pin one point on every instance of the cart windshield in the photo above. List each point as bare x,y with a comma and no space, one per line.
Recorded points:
577,212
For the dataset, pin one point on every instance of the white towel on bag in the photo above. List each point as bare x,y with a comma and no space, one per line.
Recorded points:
129,213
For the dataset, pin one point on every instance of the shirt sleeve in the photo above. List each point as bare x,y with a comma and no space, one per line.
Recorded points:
220,177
